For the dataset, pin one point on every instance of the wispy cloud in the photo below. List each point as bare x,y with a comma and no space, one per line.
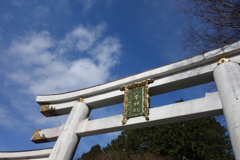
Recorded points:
42,64
82,38
38,63
87,4
5,117
7,16
41,11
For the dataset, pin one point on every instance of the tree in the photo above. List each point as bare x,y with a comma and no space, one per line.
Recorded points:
197,139
190,140
212,24
93,153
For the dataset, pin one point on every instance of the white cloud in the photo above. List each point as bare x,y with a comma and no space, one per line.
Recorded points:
19,77
5,119
104,50
37,63
41,11
17,2
41,120
7,16
87,4
82,38
43,67
33,49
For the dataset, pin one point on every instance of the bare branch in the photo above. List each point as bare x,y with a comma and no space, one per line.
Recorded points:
212,24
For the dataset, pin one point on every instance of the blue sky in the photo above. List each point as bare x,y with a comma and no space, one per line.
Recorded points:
57,46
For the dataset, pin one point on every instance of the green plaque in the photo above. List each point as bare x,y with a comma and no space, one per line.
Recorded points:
136,100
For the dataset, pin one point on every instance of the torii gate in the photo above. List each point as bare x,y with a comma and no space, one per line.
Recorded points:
193,71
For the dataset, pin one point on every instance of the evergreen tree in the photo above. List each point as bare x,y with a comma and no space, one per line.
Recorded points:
93,153
191,140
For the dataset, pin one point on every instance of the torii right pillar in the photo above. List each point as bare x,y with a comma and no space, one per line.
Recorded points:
227,78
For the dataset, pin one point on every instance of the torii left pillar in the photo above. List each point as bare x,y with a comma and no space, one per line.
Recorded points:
227,78
67,141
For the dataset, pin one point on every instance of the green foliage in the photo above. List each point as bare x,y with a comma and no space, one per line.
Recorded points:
93,153
191,140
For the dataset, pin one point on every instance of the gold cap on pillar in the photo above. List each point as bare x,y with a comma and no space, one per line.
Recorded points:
222,60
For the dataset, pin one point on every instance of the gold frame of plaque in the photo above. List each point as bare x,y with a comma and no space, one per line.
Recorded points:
136,100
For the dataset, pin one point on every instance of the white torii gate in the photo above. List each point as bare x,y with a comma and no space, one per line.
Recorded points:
183,74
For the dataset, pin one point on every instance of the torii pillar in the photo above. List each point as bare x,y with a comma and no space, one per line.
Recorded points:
68,140
227,78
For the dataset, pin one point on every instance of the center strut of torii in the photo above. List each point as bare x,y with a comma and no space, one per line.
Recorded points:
220,65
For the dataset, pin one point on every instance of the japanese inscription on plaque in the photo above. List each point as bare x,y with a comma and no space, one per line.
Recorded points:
136,100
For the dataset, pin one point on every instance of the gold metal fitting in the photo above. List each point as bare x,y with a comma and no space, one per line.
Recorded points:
47,110
222,60
137,84
38,138
80,99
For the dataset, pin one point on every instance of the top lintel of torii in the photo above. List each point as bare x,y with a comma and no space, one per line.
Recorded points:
182,74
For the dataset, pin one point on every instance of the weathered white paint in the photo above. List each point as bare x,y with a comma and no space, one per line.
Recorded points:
227,78
67,142
39,154
186,73
208,106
